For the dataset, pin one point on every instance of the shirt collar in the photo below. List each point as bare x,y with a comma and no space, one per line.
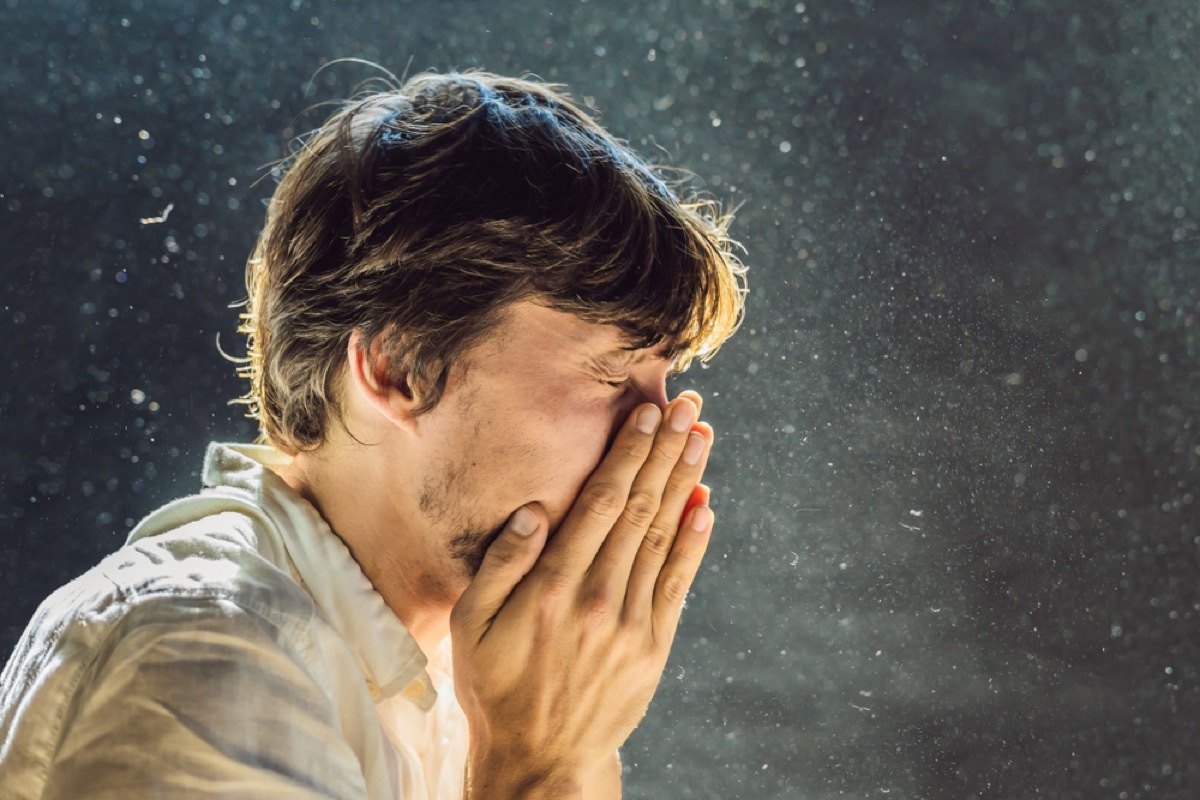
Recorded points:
390,659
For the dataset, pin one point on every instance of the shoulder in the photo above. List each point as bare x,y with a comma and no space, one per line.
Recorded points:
181,687
204,573
191,622
215,558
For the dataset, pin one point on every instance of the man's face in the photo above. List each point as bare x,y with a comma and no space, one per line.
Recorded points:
531,419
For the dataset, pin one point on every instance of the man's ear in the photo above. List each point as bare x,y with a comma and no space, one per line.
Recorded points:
389,393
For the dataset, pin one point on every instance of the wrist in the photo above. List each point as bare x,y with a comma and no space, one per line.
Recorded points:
494,777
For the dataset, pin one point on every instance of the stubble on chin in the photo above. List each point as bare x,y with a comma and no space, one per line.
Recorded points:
468,547
437,501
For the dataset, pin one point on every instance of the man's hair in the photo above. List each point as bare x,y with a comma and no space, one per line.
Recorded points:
417,216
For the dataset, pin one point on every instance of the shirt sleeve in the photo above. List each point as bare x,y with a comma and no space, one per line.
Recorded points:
202,700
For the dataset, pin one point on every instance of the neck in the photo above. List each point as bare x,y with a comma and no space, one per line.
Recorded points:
382,531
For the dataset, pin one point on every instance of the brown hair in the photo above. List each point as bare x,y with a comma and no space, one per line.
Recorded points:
420,214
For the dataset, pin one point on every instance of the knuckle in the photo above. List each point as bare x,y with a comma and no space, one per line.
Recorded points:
657,541
635,447
641,508
680,481
674,588
502,555
597,605
665,449
556,584
602,500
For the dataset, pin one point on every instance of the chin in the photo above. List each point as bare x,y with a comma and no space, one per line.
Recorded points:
468,548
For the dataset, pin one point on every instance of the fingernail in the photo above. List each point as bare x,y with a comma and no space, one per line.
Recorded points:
702,517
683,414
524,522
693,449
647,419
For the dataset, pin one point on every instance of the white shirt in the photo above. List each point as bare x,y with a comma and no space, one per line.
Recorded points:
232,648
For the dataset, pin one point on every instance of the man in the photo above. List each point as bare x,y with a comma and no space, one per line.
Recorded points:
457,562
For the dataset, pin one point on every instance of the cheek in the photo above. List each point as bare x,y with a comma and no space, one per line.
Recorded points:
560,423
570,436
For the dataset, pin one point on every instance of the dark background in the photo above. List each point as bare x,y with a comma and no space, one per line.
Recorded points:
958,455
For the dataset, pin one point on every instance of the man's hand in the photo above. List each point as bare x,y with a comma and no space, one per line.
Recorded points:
559,646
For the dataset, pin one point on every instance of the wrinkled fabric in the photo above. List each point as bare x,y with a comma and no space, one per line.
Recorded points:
232,648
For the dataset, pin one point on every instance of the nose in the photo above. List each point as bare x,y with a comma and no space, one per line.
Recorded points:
655,393
650,388
640,393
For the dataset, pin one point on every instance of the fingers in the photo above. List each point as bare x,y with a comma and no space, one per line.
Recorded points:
658,543
677,574
682,486
507,561
695,397
699,497
646,496
602,499
623,527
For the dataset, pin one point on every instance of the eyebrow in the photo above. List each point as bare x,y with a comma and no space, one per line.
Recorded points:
623,357
613,361
620,358
624,353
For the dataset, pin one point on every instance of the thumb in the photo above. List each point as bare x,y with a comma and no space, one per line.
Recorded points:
507,561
